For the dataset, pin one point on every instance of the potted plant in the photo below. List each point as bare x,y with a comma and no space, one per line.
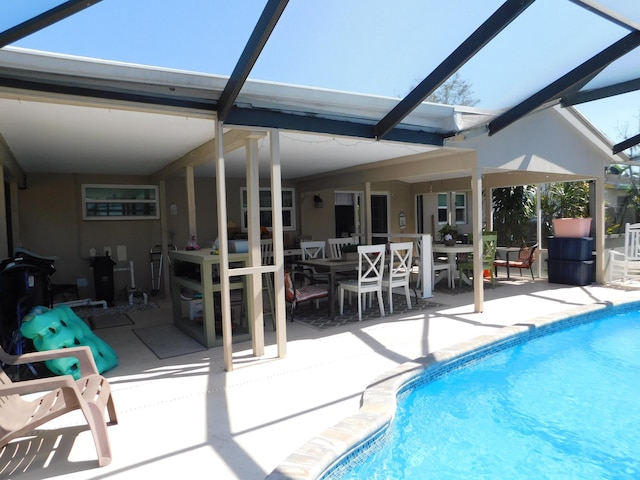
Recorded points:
568,205
448,234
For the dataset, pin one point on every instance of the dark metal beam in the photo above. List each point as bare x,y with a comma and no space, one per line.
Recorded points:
122,95
607,14
628,143
266,23
308,123
43,20
478,39
600,93
566,83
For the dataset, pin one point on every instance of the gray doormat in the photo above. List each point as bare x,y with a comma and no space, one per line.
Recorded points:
166,341
108,321
318,318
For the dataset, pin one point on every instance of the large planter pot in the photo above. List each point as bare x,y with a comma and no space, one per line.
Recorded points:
571,227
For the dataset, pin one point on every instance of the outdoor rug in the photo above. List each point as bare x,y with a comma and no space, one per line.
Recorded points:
108,321
167,341
318,318
114,316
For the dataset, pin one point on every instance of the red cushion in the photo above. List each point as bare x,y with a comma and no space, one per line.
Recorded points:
310,292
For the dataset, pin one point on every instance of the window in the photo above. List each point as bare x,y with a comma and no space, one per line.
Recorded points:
443,205
288,208
459,209
120,202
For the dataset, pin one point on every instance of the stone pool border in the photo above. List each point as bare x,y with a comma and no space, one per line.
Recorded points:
321,457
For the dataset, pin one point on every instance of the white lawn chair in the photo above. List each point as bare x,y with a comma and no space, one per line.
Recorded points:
370,271
625,266
399,271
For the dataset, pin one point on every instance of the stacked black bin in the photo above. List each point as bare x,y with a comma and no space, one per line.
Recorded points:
570,260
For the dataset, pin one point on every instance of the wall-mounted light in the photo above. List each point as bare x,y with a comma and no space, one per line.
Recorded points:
317,201
173,208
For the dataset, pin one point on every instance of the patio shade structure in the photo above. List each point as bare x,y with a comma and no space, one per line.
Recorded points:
236,100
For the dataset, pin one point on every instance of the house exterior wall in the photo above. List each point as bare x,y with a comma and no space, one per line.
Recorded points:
51,224
319,223
542,142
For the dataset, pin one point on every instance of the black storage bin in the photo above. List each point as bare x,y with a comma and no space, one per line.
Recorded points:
103,278
564,248
570,272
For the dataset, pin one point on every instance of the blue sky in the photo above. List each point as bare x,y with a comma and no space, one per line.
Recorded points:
369,46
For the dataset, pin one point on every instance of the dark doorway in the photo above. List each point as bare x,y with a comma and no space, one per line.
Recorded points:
344,220
379,217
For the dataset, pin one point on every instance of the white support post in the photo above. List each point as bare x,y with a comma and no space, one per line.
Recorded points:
225,294
278,244
254,280
426,258
478,280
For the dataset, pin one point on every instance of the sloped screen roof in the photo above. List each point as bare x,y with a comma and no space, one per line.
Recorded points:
516,55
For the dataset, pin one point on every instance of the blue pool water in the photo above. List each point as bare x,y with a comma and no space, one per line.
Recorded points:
565,405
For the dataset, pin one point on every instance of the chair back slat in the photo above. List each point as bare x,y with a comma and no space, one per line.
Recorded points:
336,244
266,250
313,249
400,261
632,241
371,265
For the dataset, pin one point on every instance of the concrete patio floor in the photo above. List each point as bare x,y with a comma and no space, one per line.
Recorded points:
186,416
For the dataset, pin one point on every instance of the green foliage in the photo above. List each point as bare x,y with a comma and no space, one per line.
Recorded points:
447,229
512,209
565,200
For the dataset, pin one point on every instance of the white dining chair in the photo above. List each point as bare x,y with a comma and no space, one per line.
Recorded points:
314,249
336,244
401,255
369,280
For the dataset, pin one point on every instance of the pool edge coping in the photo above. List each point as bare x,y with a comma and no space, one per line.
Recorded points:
320,454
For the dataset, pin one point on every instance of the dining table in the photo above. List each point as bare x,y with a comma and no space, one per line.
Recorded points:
332,267
452,252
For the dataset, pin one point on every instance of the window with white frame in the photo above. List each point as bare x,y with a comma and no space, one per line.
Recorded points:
266,211
443,207
459,208
119,202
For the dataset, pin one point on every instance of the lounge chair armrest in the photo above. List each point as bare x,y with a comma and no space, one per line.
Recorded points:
615,255
37,385
83,354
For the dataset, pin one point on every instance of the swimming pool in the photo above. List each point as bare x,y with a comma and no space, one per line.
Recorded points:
351,442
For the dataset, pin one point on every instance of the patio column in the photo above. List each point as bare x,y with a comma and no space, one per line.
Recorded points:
191,201
476,208
254,278
367,202
599,229
278,245
225,294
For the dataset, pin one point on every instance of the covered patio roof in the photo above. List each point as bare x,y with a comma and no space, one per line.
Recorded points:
588,69
63,113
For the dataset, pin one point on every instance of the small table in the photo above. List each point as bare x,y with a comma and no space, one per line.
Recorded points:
507,251
452,253
333,266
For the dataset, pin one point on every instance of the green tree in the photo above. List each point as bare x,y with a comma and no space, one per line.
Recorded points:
454,91
513,207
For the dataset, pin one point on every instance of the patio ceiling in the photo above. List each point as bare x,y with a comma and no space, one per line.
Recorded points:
45,131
